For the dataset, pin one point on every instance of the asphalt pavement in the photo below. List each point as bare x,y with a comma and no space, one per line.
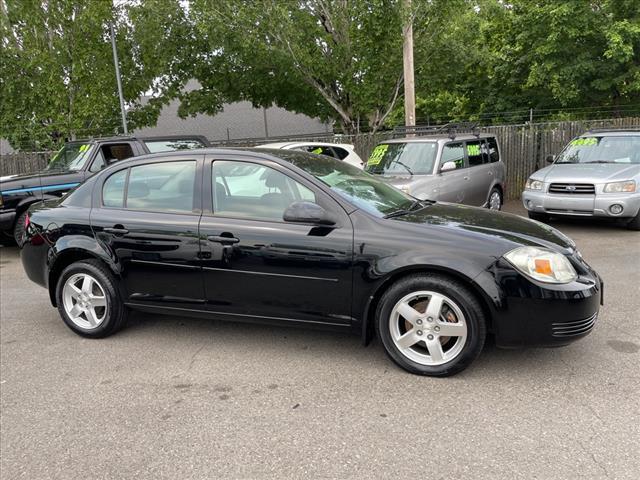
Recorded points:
182,398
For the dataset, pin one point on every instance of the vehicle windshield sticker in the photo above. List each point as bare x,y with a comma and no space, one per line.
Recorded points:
317,150
84,148
377,154
584,142
473,150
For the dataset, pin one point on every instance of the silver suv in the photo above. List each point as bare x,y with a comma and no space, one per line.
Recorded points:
449,168
596,175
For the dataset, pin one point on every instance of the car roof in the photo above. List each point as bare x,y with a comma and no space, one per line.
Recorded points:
300,144
439,138
617,133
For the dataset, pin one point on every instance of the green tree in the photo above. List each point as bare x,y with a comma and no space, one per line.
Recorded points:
57,76
333,59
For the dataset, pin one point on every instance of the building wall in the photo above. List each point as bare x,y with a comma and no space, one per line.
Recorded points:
235,121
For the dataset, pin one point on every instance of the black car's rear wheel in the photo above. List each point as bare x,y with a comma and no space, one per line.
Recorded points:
88,299
431,325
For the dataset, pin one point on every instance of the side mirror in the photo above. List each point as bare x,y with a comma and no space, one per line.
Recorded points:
307,212
448,166
550,158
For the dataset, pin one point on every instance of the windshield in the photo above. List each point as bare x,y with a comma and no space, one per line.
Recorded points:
70,157
403,158
622,149
360,188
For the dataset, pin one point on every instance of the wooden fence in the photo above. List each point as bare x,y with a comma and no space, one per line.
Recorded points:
524,147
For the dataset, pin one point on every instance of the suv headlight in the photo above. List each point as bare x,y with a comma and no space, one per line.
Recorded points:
628,186
533,184
542,264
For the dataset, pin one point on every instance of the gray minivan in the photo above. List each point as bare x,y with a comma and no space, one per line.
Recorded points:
456,168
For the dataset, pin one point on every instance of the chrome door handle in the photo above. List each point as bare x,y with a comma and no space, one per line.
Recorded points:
466,178
490,173
116,230
223,239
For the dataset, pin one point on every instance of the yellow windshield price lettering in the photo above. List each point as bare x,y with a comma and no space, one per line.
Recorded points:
84,148
377,154
584,142
317,151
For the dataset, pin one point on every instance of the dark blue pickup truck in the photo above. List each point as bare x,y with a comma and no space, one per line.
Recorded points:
73,164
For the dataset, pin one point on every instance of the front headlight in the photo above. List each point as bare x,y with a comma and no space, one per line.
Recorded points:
533,184
628,186
542,264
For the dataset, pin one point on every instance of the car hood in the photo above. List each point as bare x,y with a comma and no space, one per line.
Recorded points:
45,177
486,225
587,172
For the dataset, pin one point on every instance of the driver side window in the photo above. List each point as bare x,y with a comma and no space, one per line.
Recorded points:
250,190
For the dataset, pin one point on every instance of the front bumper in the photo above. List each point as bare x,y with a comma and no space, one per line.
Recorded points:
597,205
7,218
536,314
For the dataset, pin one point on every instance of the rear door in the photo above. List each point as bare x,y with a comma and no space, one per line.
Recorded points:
256,265
481,172
146,215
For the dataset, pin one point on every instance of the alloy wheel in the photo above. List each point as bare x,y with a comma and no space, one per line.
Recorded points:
495,201
84,301
428,328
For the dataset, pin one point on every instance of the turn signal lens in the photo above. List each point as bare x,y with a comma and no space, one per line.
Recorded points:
620,187
542,264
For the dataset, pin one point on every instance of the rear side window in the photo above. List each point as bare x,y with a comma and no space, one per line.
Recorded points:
341,152
113,190
319,150
167,186
453,152
494,154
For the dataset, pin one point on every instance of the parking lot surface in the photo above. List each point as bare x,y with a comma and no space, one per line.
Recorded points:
172,397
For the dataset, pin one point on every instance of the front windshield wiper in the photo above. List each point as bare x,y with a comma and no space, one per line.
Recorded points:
417,202
408,169
598,161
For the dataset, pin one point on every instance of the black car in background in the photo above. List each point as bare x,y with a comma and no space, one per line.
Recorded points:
291,238
69,167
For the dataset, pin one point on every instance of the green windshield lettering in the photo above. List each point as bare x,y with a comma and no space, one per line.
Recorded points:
377,154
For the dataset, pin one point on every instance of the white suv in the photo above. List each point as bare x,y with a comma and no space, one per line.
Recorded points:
340,151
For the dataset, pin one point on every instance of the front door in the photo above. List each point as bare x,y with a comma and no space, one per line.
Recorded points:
147,218
256,265
452,185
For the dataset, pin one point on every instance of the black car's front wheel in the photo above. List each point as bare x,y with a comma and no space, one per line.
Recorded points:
431,325
88,299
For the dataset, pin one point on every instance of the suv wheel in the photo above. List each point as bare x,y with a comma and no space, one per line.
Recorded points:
634,224
495,200
88,299
19,227
431,325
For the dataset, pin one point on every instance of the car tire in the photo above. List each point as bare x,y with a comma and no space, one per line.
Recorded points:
495,200
541,217
434,353
19,227
634,224
93,309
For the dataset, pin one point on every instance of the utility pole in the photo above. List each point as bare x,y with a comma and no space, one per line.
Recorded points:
407,57
119,80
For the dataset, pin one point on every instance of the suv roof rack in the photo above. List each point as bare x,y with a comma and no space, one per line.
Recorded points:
613,129
450,129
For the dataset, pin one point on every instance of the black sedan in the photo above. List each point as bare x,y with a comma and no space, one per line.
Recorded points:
290,238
